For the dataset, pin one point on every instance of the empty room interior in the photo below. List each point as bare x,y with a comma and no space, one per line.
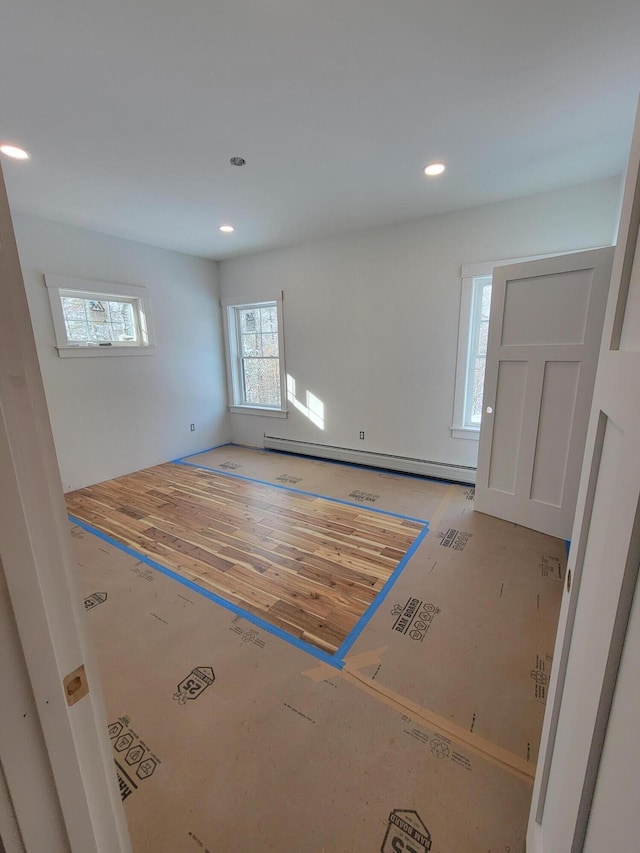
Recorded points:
320,490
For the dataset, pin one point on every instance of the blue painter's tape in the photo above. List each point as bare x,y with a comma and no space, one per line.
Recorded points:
332,660
200,452
380,597
568,545
299,491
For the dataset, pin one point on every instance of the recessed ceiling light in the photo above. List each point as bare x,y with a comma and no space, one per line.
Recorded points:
227,229
434,169
15,152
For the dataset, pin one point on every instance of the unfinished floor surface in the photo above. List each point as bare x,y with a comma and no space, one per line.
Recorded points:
423,732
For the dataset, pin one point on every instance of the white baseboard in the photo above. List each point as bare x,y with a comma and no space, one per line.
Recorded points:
390,462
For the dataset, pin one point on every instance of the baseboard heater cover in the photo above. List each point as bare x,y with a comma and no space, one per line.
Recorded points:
388,461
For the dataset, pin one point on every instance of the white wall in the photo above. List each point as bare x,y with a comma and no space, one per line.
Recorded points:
118,414
371,319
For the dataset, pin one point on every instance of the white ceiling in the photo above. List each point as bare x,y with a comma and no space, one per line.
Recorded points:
131,110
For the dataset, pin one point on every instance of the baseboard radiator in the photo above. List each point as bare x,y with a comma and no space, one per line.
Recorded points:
388,461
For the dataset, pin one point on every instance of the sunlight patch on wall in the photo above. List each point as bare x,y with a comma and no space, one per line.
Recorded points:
314,408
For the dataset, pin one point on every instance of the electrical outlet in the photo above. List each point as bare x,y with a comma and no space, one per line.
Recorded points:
361,433
192,427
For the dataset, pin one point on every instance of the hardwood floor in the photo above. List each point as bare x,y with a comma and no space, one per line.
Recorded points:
308,565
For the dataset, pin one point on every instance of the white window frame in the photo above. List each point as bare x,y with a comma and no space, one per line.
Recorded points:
467,351
469,272
231,306
59,286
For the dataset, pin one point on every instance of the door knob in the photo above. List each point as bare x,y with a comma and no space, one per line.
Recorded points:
489,410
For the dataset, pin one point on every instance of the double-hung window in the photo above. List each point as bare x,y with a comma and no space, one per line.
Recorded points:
254,337
477,354
472,352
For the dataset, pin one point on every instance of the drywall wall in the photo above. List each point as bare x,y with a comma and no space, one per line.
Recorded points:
112,415
371,319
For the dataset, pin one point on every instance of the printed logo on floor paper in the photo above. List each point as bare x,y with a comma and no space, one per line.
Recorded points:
288,479
247,635
142,571
540,676
455,539
194,684
229,466
363,497
250,636
439,746
551,567
94,600
414,618
470,494
406,833
134,761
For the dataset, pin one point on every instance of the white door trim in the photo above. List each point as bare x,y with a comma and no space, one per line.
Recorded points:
583,683
84,802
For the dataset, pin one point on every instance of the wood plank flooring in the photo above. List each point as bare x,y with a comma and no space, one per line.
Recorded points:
307,565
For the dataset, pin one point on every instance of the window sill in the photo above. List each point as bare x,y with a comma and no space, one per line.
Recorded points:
256,410
472,433
82,351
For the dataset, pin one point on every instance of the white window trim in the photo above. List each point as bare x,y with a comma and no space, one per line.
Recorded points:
459,429
229,304
104,290
467,345
468,273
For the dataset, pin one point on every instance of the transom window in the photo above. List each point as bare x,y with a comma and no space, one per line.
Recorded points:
97,317
90,320
254,354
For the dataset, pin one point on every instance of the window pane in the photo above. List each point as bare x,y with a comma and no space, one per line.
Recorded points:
98,321
478,337
73,308
100,332
75,319
251,345
477,389
270,345
248,320
261,379
483,334
486,300
121,319
269,319
259,332
77,330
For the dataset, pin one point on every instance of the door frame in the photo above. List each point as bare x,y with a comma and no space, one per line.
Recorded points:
600,685
49,729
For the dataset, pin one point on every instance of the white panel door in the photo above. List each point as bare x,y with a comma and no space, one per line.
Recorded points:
587,789
544,337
